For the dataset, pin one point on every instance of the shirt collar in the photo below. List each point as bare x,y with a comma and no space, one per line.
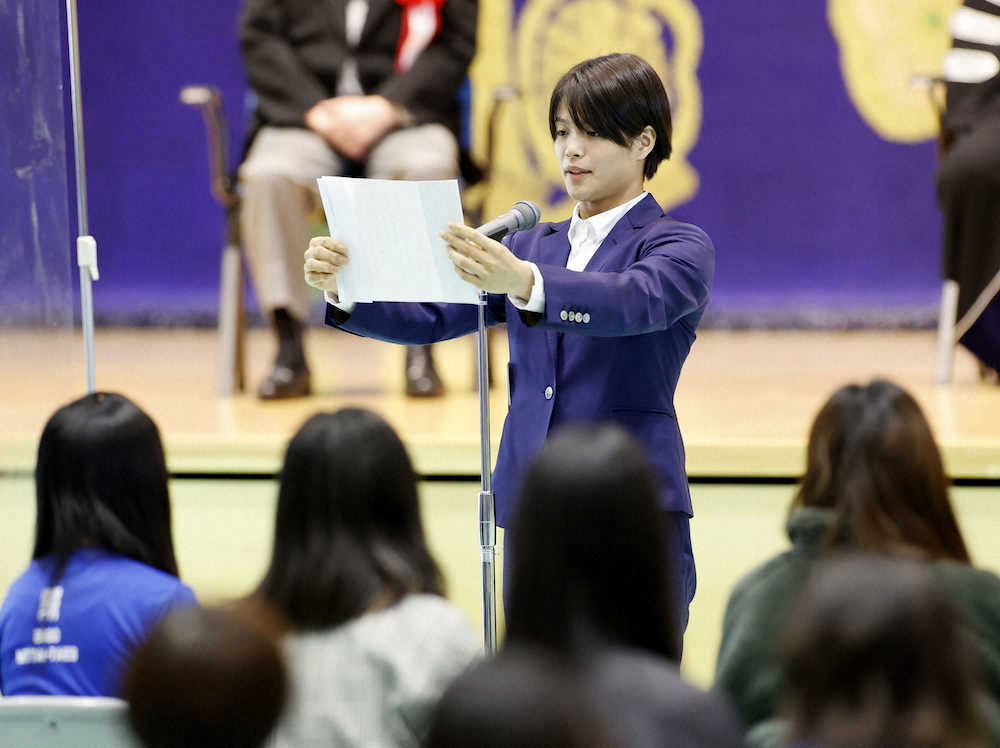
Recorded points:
597,227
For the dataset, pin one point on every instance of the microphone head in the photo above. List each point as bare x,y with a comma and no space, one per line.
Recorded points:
528,214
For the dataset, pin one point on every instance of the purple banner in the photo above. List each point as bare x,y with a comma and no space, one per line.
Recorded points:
816,184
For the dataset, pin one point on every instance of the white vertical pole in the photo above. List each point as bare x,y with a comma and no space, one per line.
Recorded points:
946,331
86,246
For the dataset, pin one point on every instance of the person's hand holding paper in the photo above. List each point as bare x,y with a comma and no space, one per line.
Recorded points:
392,229
486,263
324,259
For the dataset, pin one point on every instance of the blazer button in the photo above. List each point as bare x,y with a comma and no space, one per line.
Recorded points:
586,317
548,392
563,315
579,317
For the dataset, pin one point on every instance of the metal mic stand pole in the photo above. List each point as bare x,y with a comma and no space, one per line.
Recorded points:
86,245
487,518
527,215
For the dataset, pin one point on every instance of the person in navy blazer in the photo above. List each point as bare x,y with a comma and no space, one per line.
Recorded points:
601,310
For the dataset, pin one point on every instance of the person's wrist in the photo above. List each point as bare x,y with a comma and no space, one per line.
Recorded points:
527,281
400,115
317,118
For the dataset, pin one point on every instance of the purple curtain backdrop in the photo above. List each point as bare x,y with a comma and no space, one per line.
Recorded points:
815,217
158,229
817,220
36,271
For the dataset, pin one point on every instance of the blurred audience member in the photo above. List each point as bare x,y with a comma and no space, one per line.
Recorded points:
876,654
591,586
874,481
590,563
205,679
344,88
103,570
524,699
371,643
969,177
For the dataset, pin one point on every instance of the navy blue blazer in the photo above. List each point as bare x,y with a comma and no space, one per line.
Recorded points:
608,348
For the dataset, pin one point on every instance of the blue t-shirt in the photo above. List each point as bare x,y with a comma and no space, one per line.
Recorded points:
75,638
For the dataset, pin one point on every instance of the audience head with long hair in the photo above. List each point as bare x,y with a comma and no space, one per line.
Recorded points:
101,482
876,654
873,461
348,536
205,679
589,548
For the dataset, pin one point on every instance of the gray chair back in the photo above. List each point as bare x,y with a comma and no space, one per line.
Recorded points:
64,722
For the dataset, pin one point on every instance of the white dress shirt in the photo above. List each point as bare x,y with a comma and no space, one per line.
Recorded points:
355,15
585,236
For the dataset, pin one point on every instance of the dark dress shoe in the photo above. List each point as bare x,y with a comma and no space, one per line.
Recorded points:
422,379
285,382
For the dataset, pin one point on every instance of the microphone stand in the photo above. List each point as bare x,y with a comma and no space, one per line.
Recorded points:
487,515
529,215
86,245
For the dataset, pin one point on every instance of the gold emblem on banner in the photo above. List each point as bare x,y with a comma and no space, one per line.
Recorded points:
883,44
553,35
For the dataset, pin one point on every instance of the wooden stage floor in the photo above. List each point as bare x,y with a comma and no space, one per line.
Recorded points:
745,400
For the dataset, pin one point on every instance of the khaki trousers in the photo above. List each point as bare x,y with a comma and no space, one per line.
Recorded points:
279,195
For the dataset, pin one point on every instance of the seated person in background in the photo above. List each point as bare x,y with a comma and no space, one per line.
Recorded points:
370,643
103,570
969,177
874,481
524,699
591,588
205,679
876,654
351,88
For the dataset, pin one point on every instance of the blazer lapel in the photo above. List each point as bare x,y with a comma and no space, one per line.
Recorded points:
337,18
554,249
640,215
555,246
377,10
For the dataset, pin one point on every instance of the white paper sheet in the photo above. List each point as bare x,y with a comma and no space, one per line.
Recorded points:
391,230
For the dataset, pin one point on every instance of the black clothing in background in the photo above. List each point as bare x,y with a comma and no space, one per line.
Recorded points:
969,195
294,50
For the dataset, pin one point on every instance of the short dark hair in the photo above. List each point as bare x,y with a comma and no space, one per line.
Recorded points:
590,548
347,532
101,482
873,460
205,678
617,96
876,653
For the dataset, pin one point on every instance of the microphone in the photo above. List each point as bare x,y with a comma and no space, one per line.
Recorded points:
524,215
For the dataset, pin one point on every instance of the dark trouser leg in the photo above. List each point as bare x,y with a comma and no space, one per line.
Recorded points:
969,196
422,379
680,566
508,568
983,337
290,375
